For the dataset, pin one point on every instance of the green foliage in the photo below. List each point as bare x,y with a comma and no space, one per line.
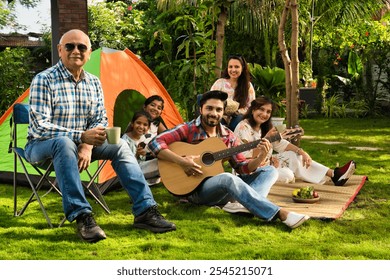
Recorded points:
127,103
177,45
304,111
332,108
355,66
15,75
305,71
256,23
7,11
113,25
186,54
268,81
356,55
358,108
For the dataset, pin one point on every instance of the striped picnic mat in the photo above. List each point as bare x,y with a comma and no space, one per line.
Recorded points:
333,200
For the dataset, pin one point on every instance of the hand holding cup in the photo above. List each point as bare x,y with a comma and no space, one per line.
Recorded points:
113,134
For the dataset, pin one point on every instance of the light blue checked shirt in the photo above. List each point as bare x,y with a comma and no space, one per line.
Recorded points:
60,106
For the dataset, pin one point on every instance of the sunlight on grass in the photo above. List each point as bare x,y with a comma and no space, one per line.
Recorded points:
210,233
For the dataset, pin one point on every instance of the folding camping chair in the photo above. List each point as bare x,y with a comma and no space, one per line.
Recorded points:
21,117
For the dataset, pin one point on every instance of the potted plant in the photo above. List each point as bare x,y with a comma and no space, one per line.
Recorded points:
280,113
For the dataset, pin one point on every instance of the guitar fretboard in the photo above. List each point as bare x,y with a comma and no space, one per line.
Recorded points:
219,155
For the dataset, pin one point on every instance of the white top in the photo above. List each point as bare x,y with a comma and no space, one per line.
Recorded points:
246,133
133,146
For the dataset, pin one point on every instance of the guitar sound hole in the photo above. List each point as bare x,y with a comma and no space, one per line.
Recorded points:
208,159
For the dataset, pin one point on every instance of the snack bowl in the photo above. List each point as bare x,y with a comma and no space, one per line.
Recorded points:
305,200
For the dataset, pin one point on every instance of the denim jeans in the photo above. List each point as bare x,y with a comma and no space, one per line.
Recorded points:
249,190
63,152
234,121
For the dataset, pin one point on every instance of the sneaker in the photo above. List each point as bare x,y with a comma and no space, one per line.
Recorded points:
153,181
235,207
342,174
152,220
88,230
294,220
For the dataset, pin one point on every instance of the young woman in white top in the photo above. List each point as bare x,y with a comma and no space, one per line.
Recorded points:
236,83
291,161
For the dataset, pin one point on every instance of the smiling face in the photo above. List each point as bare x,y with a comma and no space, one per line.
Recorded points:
75,58
140,126
234,68
262,114
212,112
154,109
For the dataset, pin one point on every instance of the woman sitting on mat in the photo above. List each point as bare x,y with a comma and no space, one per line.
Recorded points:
291,161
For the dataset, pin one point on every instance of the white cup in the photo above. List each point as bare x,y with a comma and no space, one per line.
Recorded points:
281,127
113,134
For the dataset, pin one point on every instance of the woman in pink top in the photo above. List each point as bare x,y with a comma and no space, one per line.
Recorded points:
236,83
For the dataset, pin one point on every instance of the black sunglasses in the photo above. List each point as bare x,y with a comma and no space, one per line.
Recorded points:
70,47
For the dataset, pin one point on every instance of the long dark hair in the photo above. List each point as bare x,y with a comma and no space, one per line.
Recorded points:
149,100
255,105
242,90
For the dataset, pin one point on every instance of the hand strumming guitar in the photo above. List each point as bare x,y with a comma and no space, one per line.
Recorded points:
190,167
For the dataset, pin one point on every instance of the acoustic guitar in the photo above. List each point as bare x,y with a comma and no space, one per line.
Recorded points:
212,151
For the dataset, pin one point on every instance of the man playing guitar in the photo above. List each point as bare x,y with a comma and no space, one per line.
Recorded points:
248,188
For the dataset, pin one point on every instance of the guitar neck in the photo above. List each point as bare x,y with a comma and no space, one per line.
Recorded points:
219,155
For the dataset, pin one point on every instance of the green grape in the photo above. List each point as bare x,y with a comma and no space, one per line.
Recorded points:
306,192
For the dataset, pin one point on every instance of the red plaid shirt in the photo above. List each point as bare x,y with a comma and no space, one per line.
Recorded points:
192,132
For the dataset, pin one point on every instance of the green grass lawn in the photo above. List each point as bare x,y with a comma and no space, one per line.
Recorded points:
362,233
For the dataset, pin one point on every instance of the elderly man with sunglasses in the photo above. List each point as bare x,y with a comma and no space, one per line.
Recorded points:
67,120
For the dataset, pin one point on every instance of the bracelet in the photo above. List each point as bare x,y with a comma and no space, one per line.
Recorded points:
297,151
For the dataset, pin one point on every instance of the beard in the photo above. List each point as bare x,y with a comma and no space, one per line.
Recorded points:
210,121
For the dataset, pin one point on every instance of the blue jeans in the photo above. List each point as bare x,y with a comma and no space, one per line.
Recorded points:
63,152
249,190
234,121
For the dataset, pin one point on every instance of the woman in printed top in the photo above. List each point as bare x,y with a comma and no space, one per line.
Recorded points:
291,161
139,125
236,83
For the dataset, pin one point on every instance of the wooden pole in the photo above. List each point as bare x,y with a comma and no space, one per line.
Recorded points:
285,56
294,115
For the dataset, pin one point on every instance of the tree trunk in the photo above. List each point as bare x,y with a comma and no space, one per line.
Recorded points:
291,65
294,66
220,37
285,56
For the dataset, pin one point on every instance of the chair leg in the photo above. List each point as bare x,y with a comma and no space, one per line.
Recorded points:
94,190
62,222
14,185
35,194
